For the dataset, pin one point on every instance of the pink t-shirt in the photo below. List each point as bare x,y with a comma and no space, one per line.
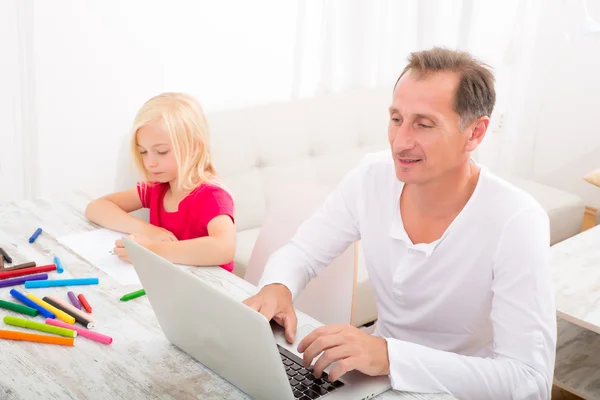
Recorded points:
194,213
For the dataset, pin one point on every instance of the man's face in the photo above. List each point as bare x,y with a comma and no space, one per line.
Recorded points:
424,130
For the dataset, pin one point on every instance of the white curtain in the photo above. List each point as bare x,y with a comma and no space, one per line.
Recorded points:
16,120
345,44
91,64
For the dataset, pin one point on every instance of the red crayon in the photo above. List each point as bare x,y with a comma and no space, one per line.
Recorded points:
85,303
27,271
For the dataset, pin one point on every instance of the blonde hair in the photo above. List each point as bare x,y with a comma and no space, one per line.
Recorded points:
181,116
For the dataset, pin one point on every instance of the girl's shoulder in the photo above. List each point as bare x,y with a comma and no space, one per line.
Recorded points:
209,189
149,190
152,186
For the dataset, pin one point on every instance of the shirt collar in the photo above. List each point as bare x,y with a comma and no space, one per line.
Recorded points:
398,232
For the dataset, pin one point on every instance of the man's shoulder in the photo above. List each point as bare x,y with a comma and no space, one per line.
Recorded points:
505,198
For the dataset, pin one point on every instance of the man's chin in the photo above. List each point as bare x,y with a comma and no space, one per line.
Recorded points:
407,176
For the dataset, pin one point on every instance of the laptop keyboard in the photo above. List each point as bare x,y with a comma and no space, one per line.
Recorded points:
304,384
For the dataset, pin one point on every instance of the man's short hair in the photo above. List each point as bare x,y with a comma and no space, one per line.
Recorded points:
475,96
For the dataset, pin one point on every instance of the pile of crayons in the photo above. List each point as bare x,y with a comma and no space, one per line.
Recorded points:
33,276
60,316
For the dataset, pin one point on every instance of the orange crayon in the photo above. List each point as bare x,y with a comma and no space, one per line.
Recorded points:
34,337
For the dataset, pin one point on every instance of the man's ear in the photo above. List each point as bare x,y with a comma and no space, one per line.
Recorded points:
476,131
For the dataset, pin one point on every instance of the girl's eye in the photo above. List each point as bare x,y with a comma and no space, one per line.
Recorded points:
143,152
162,153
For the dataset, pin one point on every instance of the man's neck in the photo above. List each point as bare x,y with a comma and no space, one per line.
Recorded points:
447,195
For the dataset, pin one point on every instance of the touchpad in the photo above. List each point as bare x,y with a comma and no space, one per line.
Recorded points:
301,332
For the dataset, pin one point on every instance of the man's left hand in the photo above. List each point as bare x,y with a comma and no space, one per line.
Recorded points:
350,347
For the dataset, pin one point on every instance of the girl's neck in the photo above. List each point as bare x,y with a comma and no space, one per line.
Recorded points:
175,191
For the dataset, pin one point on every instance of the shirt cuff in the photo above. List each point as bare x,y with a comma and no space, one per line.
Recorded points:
291,284
403,357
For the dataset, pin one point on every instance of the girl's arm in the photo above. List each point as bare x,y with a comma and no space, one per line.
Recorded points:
217,248
112,212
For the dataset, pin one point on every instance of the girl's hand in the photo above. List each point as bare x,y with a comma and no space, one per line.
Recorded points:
121,252
158,234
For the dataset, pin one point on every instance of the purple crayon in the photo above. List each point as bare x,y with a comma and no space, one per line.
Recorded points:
22,279
74,300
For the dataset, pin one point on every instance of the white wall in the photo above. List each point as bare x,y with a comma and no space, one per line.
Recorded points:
97,62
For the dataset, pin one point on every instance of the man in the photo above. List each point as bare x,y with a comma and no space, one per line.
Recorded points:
457,257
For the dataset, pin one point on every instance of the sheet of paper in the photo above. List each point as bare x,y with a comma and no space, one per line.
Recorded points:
97,248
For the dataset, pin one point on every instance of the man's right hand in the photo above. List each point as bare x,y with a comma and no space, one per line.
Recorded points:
275,302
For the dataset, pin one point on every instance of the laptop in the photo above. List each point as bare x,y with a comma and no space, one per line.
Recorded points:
236,342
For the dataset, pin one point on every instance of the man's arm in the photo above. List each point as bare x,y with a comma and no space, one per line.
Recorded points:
319,240
524,326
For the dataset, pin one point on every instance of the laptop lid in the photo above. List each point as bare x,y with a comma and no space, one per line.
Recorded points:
222,333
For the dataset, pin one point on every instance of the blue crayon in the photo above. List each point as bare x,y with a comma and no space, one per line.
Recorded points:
59,267
61,282
35,235
25,300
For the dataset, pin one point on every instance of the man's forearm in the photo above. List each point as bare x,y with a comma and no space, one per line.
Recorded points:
290,267
421,369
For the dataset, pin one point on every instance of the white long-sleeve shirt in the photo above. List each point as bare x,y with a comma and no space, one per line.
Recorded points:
472,313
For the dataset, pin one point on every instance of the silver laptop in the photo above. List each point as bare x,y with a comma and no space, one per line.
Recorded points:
235,341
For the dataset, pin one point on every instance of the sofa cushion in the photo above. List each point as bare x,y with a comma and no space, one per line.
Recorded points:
564,209
365,310
316,140
245,241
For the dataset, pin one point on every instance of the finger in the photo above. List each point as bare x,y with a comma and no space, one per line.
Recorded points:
320,345
311,337
119,243
290,323
343,366
267,309
120,252
330,356
252,302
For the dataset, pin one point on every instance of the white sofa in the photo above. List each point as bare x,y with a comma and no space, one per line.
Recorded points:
317,140
259,149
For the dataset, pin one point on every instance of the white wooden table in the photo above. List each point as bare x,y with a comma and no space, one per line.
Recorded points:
139,364
575,266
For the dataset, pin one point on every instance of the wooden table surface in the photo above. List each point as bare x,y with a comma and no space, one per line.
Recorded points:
575,266
140,363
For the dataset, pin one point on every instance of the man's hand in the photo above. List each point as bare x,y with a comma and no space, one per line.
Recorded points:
121,252
350,347
275,302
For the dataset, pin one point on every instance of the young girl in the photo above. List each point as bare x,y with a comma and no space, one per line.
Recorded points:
191,215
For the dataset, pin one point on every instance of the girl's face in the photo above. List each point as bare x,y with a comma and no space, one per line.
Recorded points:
157,154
